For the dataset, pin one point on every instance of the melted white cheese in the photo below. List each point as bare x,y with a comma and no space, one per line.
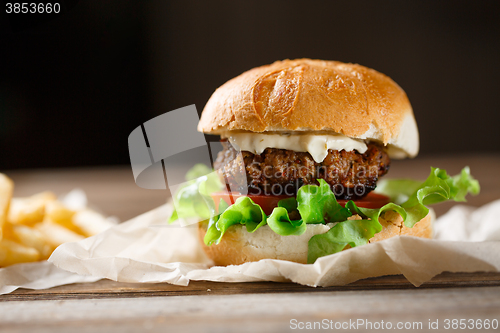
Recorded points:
315,144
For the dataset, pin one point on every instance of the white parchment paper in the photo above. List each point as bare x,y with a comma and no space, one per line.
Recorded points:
146,249
38,275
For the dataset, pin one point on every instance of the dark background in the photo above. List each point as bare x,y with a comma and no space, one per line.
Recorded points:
74,85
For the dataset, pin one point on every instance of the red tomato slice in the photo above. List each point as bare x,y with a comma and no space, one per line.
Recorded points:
268,202
372,200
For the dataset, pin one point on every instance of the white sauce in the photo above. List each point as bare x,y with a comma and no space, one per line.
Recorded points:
315,144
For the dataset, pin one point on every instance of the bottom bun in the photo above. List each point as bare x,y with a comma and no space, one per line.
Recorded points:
239,246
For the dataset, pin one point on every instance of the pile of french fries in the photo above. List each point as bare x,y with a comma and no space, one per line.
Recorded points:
31,228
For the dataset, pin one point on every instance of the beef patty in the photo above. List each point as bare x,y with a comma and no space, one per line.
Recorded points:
350,174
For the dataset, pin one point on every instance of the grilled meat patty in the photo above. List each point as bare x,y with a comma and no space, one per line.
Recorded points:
350,174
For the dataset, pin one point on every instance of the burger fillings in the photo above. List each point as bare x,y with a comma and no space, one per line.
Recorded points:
315,124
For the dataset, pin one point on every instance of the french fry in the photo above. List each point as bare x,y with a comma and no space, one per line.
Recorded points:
31,228
14,253
31,237
8,232
58,213
6,188
55,234
29,210
90,223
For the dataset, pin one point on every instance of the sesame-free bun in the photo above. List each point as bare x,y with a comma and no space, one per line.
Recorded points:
238,246
315,95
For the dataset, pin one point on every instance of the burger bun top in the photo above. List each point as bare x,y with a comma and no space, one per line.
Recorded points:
315,96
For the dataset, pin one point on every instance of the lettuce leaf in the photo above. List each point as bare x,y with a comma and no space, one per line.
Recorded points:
398,190
350,232
317,204
197,171
290,204
193,198
243,211
280,223
213,233
438,187
314,203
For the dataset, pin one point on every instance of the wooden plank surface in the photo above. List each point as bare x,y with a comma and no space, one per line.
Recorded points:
112,289
238,307
269,312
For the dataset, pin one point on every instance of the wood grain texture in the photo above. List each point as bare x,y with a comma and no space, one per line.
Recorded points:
250,312
112,289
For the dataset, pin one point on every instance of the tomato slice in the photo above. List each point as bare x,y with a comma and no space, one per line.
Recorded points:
268,202
372,200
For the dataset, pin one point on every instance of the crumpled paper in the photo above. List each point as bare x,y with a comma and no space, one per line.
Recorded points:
464,223
38,275
147,249
44,275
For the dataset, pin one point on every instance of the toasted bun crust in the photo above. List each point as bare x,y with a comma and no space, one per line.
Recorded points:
315,95
239,246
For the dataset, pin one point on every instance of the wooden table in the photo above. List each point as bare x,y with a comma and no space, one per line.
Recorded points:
245,307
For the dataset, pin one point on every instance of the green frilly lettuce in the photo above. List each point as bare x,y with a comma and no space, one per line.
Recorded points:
317,204
193,198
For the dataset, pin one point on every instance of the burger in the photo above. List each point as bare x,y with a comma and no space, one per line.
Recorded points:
305,143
